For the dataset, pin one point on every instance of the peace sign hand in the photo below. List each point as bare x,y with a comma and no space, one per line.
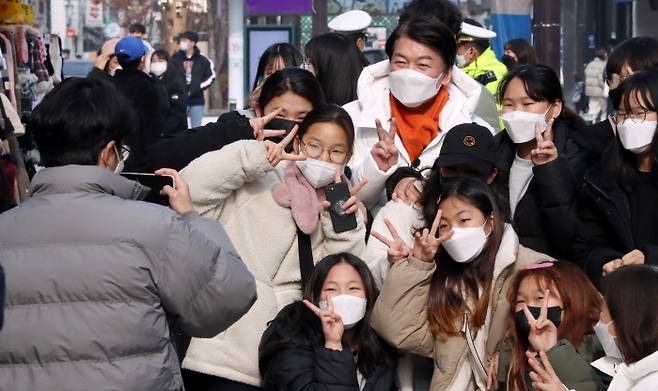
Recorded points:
546,151
258,126
277,152
353,203
397,249
385,152
543,375
426,245
543,333
332,324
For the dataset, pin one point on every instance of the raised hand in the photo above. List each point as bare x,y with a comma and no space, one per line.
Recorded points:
543,333
542,375
546,151
332,324
277,152
426,244
397,249
258,126
353,203
407,192
385,152
179,195
492,372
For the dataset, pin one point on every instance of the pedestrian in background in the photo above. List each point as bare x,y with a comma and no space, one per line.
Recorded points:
595,86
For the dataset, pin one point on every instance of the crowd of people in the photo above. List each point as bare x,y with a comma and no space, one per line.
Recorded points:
509,251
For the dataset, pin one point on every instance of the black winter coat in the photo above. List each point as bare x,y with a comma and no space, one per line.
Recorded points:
179,150
545,218
203,74
292,357
150,103
604,230
176,120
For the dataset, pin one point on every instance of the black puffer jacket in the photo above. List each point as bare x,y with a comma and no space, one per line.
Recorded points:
180,149
545,217
604,230
292,357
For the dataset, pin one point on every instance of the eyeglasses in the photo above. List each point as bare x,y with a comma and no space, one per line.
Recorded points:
315,150
637,116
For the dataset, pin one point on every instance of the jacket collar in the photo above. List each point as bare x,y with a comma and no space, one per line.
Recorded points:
629,374
485,59
86,179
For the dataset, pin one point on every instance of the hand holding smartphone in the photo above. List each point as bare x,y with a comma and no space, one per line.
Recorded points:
154,182
337,194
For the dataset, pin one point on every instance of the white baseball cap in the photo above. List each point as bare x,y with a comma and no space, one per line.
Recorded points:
350,21
471,31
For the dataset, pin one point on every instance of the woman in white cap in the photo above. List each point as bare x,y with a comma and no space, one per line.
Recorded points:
421,90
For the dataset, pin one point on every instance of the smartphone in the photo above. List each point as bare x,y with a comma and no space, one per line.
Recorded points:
337,194
153,182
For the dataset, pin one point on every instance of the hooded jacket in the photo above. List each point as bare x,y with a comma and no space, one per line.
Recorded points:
94,278
373,103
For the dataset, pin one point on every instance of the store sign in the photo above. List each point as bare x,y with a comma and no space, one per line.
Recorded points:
14,12
94,14
71,32
260,7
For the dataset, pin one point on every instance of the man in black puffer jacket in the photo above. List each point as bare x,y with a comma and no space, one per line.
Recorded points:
197,71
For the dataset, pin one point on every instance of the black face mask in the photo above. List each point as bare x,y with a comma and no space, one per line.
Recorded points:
554,315
281,124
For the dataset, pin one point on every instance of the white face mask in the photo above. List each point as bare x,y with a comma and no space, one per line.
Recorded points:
466,243
636,137
158,68
184,46
607,340
120,164
317,172
114,71
460,61
413,88
520,125
350,308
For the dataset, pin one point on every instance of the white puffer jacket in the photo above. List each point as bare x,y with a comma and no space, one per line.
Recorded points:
373,103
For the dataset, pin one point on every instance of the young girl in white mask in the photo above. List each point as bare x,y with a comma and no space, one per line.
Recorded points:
175,84
326,342
628,331
268,200
422,90
618,215
538,161
445,299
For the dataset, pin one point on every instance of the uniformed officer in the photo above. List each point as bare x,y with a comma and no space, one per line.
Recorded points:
475,56
353,24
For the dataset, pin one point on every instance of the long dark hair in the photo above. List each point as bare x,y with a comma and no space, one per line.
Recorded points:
428,31
630,293
338,64
525,54
371,350
446,300
329,113
541,84
618,160
298,81
288,53
581,306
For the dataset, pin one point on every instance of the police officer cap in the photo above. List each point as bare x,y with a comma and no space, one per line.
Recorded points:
350,21
472,30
